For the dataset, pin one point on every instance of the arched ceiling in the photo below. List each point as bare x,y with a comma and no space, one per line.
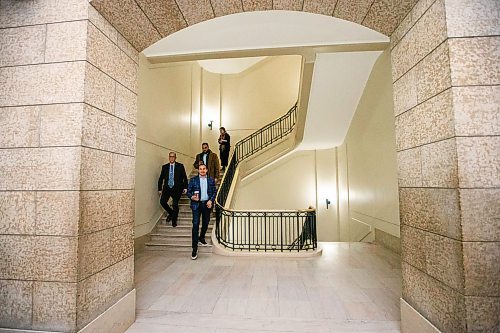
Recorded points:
143,22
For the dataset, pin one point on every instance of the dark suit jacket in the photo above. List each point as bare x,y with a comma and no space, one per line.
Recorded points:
180,178
213,166
225,145
194,185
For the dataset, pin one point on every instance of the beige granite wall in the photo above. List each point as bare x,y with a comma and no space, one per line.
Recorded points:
67,113
446,75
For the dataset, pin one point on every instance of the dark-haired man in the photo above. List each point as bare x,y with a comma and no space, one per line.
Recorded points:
210,159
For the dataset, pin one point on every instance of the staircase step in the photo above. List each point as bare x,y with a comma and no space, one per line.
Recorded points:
156,246
170,239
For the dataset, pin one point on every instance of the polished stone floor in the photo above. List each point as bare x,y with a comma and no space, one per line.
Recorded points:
352,287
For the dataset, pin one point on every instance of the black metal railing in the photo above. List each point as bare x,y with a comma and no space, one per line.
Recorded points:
262,230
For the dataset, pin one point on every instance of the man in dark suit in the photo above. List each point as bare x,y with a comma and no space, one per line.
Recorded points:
172,183
201,190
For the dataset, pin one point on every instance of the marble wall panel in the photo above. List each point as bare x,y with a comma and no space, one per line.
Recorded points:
18,169
126,71
122,242
55,258
165,15
57,212
404,55
99,291
440,304
99,89
17,213
227,7
384,16
477,110
475,61
352,10
102,24
402,29
66,41
413,247
439,164
481,267
480,209
22,46
478,161
19,126
288,5
23,13
97,169
405,92
444,260
128,49
431,209
17,257
433,73
429,122
125,202
420,8
129,19
58,168
16,309
42,84
472,18
125,104
410,167
482,314
123,172
61,124
94,253
195,11
54,306
255,5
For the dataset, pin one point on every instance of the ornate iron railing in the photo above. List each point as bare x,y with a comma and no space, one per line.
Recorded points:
262,230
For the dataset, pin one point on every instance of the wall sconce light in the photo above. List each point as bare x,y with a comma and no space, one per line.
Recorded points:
210,124
328,202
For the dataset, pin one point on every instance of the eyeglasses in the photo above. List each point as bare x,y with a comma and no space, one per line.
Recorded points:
170,156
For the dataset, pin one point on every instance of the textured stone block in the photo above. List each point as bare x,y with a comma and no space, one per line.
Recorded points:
55,258
388,241
439,164
195,11
99,89
476,110
54,306
428,122
444,260
42,84
404,55
22,46
434,210
440,304
227,7
97,169
16,309
66,41
481,267
21,13
410,167
123,172
483,313
288,5
165,15
384,16
413,247
94,253
17,213
475,61
17,257
478,161
58,168
352,10
433,73
61,124
18,169
402,30
405,92
255,5
101,290
472,18
480,209
420,8
102,24
57,213
128,49
125,104
126,71
19,126
129,19
122,242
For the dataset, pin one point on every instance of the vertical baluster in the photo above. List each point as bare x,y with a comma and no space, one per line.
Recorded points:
281,233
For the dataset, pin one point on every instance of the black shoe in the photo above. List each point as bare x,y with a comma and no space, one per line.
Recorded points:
202,242
174,224
194,254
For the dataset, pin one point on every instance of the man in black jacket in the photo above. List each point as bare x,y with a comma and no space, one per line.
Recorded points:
172,183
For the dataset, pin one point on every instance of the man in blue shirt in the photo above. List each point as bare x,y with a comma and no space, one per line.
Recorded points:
201,190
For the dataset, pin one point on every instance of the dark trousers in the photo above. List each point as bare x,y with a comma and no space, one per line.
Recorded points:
166,194
204,212
224,155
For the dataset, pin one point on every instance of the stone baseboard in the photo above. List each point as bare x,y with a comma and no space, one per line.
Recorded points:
413,322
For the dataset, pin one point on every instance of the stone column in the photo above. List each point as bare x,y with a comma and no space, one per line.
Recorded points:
447,125
67,153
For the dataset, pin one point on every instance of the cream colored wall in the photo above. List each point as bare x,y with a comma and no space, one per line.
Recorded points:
368,159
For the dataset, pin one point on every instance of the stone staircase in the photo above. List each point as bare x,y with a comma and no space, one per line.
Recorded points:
164,237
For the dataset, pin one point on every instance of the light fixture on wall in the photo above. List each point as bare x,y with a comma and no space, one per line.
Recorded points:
328,202
210,124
